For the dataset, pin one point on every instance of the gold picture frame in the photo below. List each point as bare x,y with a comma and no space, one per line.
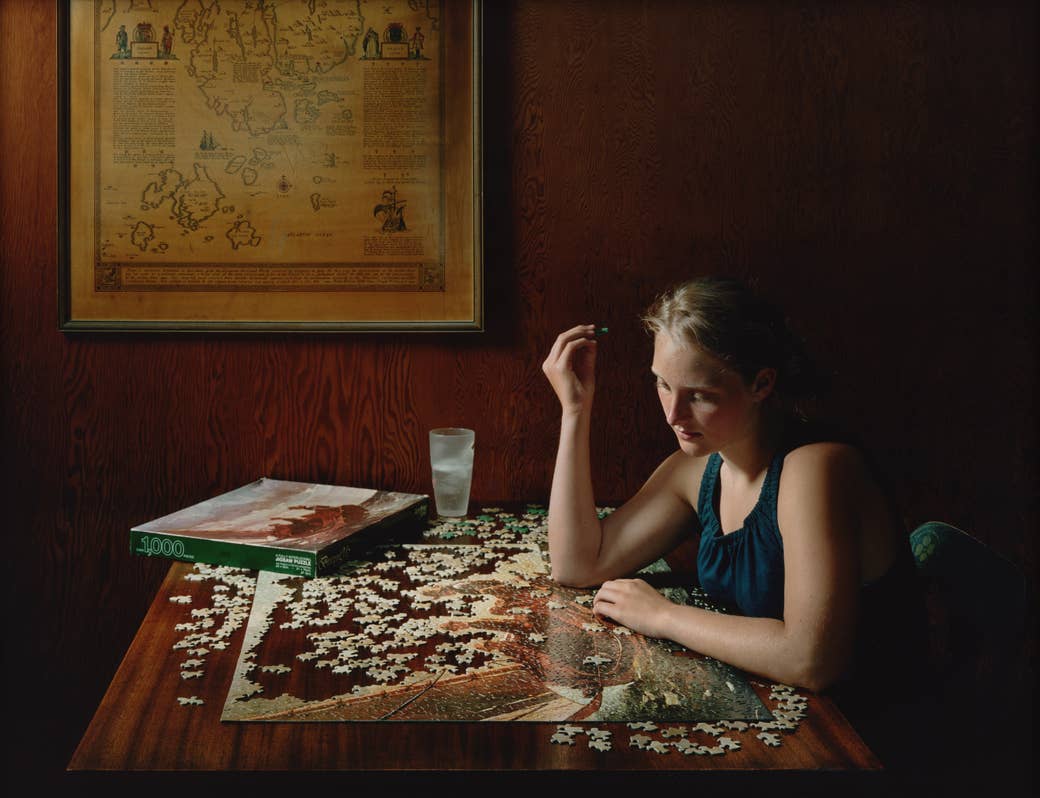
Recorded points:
242,167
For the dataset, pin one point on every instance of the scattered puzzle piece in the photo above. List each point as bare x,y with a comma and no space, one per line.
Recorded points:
560,738
734,725
276,669
708,728
688,748
769,739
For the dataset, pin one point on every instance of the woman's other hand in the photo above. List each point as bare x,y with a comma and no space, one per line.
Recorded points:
635,604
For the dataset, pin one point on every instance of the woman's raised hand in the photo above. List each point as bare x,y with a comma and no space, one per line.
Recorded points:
571,367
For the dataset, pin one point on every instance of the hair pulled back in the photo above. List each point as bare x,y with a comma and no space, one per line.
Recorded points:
727,319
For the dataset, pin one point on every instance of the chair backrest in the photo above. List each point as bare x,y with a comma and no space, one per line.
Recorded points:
980,721
979,607
977,598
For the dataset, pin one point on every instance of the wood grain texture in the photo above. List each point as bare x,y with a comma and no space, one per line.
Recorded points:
140,726
872,166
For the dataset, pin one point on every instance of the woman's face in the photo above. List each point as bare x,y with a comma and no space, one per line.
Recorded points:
708,406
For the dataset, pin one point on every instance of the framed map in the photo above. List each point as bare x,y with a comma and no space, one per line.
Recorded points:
301,165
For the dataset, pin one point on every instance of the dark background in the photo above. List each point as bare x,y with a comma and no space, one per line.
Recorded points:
872,165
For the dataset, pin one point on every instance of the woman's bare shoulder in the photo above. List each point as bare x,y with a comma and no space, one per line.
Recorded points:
818,475
681,473
819,460
829,487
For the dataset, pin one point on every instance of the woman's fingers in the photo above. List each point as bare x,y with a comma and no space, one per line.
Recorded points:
604,602
576,367
607,592
566,344
577,345
570,366
581,331
614,590
632,603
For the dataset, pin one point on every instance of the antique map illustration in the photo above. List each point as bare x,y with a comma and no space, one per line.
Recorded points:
462,632
268,147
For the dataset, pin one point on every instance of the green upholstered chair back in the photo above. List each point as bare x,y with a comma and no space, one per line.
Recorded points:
979,610
977,598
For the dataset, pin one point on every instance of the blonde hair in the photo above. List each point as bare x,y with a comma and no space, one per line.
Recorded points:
727,319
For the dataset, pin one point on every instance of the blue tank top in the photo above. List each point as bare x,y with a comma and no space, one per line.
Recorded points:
744,569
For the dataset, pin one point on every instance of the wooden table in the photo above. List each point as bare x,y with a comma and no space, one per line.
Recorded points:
141,726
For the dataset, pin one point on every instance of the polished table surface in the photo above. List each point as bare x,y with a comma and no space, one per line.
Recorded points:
144,722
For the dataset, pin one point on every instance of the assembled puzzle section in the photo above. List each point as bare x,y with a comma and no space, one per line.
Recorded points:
467,632
214,616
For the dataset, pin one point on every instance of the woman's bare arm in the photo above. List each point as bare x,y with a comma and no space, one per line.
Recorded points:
812,646
583,550
646,527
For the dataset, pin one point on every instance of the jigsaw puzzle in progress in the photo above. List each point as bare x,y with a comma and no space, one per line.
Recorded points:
462,633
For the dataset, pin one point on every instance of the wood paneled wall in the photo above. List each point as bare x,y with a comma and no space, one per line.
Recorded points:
872,165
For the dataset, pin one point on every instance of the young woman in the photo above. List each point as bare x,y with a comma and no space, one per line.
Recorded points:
796,534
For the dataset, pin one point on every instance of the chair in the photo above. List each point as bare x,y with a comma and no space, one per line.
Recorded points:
977,598
978,606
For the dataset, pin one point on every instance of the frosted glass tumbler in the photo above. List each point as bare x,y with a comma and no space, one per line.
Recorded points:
451,458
